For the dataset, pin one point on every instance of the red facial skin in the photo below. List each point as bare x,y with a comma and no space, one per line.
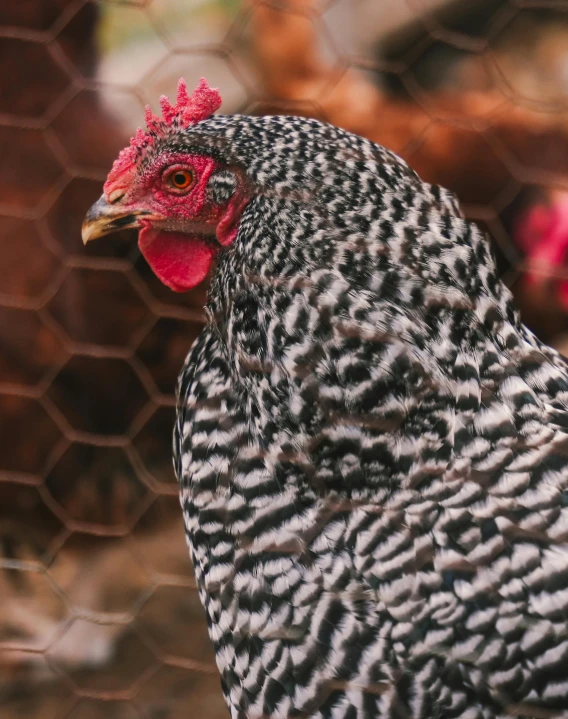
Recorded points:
543,235
186,229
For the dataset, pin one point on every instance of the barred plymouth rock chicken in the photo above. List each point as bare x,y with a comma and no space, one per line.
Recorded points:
372,449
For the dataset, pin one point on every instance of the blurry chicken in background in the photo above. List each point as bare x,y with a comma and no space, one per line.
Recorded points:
488,121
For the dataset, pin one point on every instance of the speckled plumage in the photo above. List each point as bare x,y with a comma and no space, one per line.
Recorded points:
372,449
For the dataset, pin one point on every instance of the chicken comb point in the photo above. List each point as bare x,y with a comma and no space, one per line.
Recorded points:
168,110
182,94
153,122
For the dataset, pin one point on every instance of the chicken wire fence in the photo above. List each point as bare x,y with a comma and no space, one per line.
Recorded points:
100,614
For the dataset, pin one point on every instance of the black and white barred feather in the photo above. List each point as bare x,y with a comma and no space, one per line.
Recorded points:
372,449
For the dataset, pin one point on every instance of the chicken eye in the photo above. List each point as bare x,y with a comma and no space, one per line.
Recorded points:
179,179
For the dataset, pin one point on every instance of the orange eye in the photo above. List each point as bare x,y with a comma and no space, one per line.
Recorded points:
179,179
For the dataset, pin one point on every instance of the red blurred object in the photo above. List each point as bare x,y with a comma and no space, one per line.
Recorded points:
542,234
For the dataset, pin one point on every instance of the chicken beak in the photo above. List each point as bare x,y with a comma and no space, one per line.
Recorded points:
104,218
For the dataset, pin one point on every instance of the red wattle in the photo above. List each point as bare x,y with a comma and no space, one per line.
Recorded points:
227,227
180,261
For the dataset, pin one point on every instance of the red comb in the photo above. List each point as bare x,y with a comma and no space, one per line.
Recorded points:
188,110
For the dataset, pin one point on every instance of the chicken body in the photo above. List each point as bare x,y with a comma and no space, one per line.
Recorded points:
371,448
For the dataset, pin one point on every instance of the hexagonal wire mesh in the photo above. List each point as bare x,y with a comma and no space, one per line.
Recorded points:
100,615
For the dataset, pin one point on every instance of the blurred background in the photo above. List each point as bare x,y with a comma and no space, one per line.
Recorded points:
99,614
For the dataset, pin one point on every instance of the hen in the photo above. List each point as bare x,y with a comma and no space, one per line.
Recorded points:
371,447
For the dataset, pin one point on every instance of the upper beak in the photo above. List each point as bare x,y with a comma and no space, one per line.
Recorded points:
103,218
